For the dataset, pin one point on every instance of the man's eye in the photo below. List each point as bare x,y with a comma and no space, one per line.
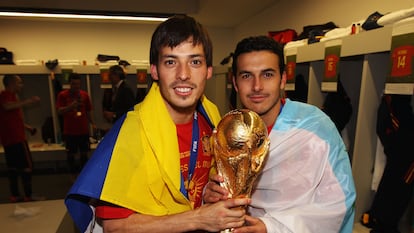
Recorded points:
245,76
268,75
196,62
169,62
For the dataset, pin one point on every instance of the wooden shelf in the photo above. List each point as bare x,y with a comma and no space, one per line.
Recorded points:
373,41
312,52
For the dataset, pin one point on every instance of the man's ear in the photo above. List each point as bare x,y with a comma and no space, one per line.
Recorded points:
154,72
209,72
283,81
234,83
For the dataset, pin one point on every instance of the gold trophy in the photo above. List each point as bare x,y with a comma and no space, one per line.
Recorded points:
240,145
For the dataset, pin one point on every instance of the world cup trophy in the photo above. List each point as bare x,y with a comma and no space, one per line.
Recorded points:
240,145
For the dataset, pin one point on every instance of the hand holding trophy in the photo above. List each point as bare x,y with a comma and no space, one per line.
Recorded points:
240,145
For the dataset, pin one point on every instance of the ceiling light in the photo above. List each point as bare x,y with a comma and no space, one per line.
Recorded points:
87,15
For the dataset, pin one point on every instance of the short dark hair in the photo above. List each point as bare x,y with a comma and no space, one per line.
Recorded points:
8,78
118,71
258,43
74,76
177,29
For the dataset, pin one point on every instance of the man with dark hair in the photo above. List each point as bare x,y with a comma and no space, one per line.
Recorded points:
122,96
13,137
148,173
306,185
75,106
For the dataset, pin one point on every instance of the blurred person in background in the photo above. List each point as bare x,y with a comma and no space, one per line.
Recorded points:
13,137
75,106
121,98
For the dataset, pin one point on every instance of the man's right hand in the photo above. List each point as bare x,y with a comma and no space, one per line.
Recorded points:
32,100
223,214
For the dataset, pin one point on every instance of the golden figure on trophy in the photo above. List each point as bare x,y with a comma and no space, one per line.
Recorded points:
240,145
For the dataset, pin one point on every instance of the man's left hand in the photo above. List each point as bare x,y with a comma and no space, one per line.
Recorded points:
253,225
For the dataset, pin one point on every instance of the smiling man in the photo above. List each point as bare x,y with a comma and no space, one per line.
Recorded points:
148,173
306,185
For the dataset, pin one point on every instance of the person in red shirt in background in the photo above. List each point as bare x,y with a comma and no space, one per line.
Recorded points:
13,137
75,106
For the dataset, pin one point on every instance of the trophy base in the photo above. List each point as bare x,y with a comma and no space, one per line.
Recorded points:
227,231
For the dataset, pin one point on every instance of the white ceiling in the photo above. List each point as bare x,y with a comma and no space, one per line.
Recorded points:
220,13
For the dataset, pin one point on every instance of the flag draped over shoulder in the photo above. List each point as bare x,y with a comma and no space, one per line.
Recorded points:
136,165
306,185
